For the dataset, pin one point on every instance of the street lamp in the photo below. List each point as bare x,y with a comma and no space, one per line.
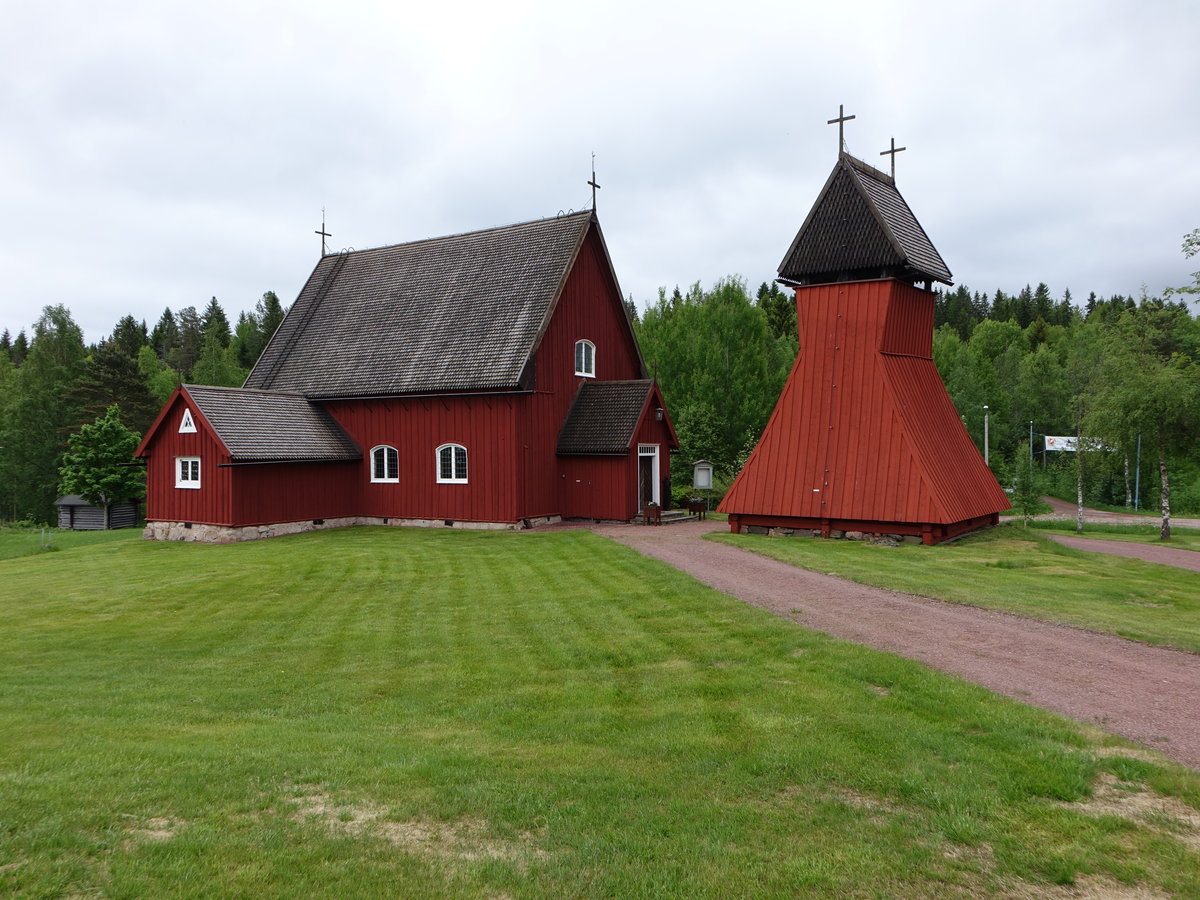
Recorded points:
986,460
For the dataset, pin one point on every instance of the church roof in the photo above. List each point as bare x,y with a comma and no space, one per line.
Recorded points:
457,313
861,228
257,426
603,417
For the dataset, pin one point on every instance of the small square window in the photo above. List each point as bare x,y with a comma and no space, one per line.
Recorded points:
187,472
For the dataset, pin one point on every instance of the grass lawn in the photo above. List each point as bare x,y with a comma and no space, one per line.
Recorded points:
404,713
16,542
1017,570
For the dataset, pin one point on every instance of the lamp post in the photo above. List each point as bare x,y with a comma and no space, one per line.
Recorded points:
986,459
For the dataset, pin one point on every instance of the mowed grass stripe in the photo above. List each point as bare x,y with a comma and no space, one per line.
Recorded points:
384,712
1016,570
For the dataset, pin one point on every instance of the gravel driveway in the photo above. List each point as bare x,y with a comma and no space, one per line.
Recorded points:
1147,694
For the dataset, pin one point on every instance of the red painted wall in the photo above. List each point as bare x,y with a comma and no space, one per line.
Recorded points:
293,492
864,429
589,308
238,495
486,426
210,504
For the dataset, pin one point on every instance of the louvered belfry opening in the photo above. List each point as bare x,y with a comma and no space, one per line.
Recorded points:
864,438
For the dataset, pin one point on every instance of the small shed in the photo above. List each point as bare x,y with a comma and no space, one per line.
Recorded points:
77,514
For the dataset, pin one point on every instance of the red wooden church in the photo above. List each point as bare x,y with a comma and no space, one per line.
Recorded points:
864,437
489,379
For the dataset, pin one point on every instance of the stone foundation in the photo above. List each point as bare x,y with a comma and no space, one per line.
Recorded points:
229,534
888,540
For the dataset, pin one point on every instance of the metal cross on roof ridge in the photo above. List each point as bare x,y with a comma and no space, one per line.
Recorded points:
892,153
323,233
841,119
595,187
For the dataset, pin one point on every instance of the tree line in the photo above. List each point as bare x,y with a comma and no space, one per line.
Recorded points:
1118,374
1121,376
52,384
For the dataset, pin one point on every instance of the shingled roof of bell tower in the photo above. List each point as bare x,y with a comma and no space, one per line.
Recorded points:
861,228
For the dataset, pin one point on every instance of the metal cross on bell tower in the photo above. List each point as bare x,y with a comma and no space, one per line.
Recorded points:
841,120
892,153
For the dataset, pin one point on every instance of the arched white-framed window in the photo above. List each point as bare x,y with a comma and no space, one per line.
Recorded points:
452,464
585,359
385,464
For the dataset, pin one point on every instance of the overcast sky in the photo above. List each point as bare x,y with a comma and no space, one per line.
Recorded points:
158,153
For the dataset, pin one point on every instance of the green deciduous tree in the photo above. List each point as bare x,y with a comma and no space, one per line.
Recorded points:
161,380
1143,389
720,367
217,365
98,465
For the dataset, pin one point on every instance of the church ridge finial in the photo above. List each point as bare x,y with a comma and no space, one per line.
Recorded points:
595,187
841,121
323,233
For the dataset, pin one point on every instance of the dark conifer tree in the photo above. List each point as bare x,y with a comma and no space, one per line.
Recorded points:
111,378
165,336
187,350
215,322
129,336
20,348
270,313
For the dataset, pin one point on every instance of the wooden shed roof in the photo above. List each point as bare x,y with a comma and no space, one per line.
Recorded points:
260,426
861,228
603,418
458,313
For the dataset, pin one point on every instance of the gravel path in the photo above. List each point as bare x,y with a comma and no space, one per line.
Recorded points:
1169,556
1063,509
1147,694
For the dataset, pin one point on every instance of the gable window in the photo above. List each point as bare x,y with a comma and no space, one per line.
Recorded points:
385,464
187,472
585,359
187,425
452,464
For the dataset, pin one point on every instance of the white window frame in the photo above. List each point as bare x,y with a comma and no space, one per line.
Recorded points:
187,472
585,367
457,475
187,425
395,467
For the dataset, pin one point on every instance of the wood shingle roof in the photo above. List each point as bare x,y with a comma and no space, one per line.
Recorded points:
457,313
257,426
861,228
603,417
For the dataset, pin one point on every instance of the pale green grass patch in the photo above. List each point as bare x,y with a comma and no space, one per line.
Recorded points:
384,713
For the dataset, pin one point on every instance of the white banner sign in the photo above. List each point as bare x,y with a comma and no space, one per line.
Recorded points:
1061,443
1071,443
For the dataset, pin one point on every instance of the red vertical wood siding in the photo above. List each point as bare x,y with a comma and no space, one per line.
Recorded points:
864,430
210,504
416,427
293,492
590,308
